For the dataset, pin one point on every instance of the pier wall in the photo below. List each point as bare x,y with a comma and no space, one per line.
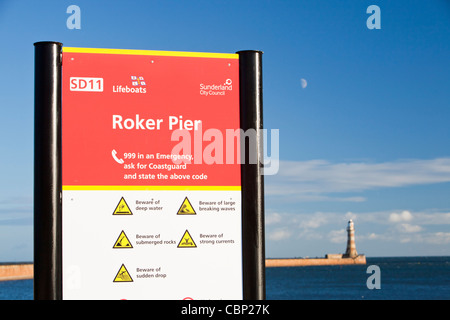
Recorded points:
314,262
25,271
16,271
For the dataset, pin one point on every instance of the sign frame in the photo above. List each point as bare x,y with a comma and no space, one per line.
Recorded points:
48,174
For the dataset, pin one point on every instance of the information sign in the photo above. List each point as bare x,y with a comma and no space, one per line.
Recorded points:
151,177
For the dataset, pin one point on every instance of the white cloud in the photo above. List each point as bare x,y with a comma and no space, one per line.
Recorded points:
374,236
408,228
338,236
305,233
272,218
315,180
279,234
432,218
432,238
16,211
404,216
439,238
281,226
315,221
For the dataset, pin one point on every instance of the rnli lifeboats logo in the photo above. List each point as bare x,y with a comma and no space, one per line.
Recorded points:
138,85
138,81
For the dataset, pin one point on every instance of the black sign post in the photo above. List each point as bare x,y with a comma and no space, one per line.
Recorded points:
250,82
47,171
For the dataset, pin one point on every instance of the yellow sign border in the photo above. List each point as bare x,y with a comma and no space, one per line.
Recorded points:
144,188
152,53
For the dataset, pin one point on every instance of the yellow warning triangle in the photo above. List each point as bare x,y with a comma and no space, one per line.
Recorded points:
123,275
187,241
122,208
186,207
122,242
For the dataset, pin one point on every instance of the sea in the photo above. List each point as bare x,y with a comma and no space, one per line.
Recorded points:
387,278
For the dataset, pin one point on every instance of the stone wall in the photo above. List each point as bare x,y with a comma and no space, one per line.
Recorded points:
314,262
16,271
25,271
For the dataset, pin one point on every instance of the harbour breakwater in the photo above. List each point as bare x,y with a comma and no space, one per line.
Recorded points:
22,271
16,271
306,262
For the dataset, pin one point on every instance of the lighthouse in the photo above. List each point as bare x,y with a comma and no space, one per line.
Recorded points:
351,247
350,257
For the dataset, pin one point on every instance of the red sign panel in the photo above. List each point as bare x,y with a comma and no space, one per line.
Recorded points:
122,119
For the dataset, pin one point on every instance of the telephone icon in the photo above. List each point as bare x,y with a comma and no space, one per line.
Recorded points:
114,155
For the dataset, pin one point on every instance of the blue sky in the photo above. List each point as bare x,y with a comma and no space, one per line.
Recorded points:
367,138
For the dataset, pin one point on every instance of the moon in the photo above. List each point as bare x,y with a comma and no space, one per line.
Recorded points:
304,83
